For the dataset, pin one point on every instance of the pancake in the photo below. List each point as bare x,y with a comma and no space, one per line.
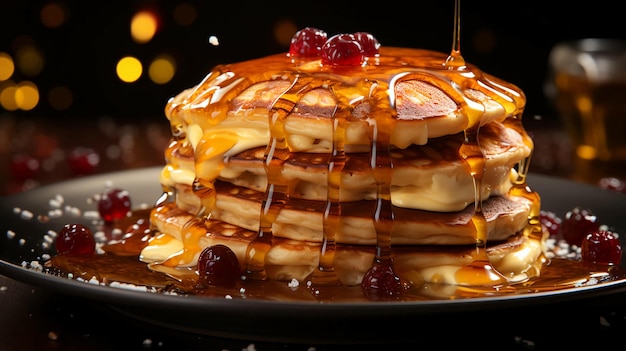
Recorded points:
303,219
347,156
295,258
430,177
426,98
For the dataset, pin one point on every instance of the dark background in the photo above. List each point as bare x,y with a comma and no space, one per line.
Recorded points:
508,39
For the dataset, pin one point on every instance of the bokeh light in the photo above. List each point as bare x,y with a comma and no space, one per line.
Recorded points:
53,14
143,26
21,96
162,69
129,69
7,67
29,60
26,95
7,96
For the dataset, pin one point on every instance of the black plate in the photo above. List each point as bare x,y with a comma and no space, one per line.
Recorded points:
292,321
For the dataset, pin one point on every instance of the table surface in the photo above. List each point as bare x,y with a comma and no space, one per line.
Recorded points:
32,318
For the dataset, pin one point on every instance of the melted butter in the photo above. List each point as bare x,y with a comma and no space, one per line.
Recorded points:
161,248
171,176
191,234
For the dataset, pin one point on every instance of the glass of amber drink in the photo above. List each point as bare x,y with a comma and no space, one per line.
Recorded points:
587,84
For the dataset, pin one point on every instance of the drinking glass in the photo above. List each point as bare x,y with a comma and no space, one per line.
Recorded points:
587,84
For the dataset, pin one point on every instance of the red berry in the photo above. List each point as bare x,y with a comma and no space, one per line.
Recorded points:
601,247
381,282
218,266
551,222
578,222
307,42
24,167
612,183
75,239
342,50
83,161
114,204
369,44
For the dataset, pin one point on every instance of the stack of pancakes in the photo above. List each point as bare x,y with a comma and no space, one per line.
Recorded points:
303,155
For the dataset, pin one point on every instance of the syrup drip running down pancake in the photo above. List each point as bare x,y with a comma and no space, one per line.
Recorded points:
408,163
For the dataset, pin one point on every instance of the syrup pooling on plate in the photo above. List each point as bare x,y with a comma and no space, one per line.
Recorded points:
120,264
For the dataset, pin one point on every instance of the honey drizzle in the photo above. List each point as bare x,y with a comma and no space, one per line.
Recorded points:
479,271
381,122
277,191
455,59
227,85
324,275
533,229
